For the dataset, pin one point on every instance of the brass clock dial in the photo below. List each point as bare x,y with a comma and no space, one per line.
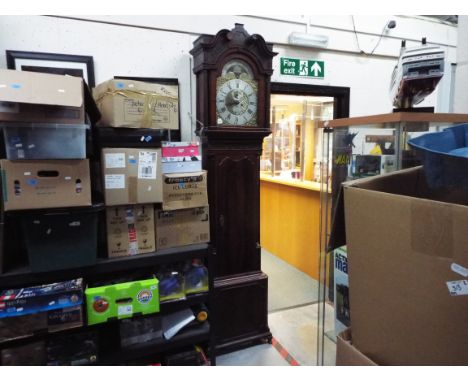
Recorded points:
236,95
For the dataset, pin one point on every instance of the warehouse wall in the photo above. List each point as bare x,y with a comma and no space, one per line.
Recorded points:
461,84
158,46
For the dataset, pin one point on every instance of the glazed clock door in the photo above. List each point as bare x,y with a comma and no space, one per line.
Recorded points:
236,95
238,224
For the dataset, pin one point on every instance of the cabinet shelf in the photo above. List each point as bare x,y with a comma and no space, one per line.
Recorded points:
191,335
165,308
23,276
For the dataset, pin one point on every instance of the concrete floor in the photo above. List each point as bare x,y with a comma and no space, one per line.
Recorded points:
292,321
287,286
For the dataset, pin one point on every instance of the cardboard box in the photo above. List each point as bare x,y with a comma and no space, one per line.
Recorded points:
170,166
45,184
347,354
19,302
182,227
40,98
408,259
132,176
122,300
130,230
184,190
127,103
180,149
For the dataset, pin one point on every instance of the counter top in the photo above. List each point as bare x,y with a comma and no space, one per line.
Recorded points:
305,184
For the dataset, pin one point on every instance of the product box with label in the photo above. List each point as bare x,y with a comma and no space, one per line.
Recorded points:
341,283
132,176
16,327
408,269
45,184
185,190
347,354
182,227
18,302
128,103
40,98
122,300
130,230
180,149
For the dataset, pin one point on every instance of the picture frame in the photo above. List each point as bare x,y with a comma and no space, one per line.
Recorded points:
53,63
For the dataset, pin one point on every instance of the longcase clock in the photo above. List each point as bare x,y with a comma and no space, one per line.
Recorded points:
233,70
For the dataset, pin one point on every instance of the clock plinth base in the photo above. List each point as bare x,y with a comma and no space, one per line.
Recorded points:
241,312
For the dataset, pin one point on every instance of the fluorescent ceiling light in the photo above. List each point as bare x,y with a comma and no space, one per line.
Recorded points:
306,39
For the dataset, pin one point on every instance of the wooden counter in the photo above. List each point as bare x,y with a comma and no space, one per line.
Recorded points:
289,221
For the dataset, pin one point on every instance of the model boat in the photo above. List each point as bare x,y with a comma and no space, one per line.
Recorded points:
416,75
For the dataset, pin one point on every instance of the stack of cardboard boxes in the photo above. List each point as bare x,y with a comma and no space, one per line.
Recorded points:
137,179
46,194
184,217
135,187
408,270
46,191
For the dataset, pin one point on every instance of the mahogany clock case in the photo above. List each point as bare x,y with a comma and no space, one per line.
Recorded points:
231,154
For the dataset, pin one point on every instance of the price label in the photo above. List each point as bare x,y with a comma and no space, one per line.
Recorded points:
458,288
124,310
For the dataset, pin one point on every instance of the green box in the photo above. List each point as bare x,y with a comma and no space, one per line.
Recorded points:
122,300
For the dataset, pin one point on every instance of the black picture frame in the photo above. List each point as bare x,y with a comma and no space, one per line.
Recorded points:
80,66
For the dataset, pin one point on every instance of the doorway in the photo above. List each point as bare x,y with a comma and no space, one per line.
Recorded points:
290,179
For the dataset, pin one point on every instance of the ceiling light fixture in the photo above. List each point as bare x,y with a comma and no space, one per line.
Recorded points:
309,40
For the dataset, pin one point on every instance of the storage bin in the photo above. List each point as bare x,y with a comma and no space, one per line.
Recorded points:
444,156
44,141
60,239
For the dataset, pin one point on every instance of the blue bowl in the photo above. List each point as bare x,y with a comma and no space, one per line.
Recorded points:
444,156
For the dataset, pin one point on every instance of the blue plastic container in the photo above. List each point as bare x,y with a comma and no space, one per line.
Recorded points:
444,156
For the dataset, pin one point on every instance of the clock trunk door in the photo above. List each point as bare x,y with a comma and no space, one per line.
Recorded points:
238,222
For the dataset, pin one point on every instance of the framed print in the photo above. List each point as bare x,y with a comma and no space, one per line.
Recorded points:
73,65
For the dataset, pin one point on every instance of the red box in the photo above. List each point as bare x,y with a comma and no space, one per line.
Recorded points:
180,149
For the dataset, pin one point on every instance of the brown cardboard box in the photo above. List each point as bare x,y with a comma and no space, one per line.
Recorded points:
405,246
45,184
182,227
184,190
132,176
38,97
130,230
127,103
349,355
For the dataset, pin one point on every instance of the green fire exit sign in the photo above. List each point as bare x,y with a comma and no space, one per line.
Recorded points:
302,68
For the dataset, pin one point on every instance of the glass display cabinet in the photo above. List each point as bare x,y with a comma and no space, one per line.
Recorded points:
292,150
353,148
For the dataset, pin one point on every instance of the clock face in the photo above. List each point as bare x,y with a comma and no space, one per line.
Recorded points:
236,95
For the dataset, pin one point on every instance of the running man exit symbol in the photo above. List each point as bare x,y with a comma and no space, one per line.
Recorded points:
302,68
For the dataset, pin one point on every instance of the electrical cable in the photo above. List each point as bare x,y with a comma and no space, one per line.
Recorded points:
389,25
355,35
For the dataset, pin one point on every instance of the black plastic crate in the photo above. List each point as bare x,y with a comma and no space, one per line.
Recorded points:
60,238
